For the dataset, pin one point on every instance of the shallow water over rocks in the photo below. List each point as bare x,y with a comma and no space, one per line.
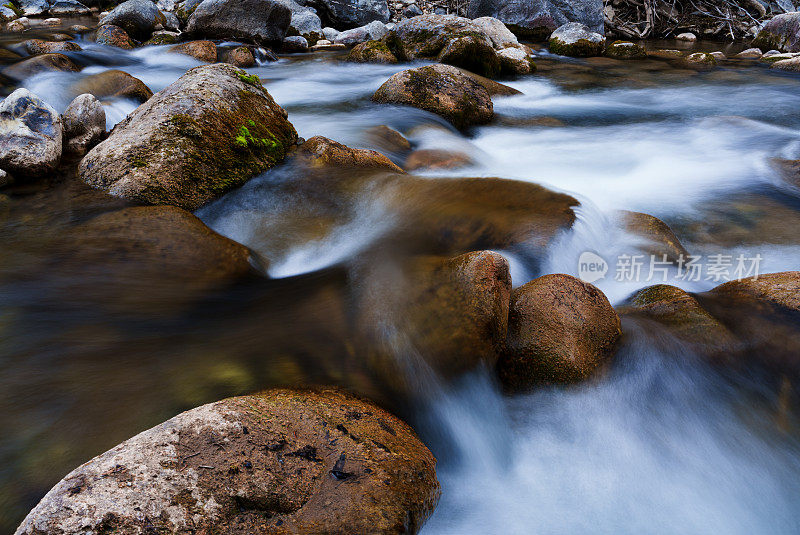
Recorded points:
660,443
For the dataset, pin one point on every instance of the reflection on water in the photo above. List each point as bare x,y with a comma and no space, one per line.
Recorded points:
661,444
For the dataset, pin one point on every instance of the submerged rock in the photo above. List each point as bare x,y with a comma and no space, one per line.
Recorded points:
536,19
30,135
781,32
138,18
263,21
284,461
701,59
37,64
208,132
387,139
322,152
200,50
625,50
659,240
436,159
113,84
577,40
84,124
560,330
111,35
440,89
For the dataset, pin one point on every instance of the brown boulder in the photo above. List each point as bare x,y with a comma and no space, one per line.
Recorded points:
241,56
45,62
319,152
201,50
440,89
684,317
560,330
782,289
111,35
39,46
283,461
445,314
112,84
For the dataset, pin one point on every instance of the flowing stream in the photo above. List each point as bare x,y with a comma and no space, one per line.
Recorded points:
661,443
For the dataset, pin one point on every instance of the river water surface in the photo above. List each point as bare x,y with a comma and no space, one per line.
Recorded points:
659,444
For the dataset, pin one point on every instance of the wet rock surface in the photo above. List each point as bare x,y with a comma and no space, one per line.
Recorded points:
160,153
30,135
560,330
84,124
440,89
284,461
263,21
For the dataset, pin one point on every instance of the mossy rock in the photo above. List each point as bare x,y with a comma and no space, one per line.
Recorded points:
782,32
375,51
576,40
625,50
701,60
207,133
163,38
200,50
440,89
111,35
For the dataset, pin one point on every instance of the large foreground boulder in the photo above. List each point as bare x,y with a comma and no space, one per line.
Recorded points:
440,89
283,461
208,132
351,14
536,19
263,21
138,18
30,135
781,32
560,330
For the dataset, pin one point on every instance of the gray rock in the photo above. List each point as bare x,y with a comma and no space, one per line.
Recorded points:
294,43
781,32
576,39
7,14
260,20
34,7
498,32
373,31
352,14
84,124
412,11
71,8
515,60
208,132
138,18
171,21
687,36
538,18
306,22
166,5
30,135
330,33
